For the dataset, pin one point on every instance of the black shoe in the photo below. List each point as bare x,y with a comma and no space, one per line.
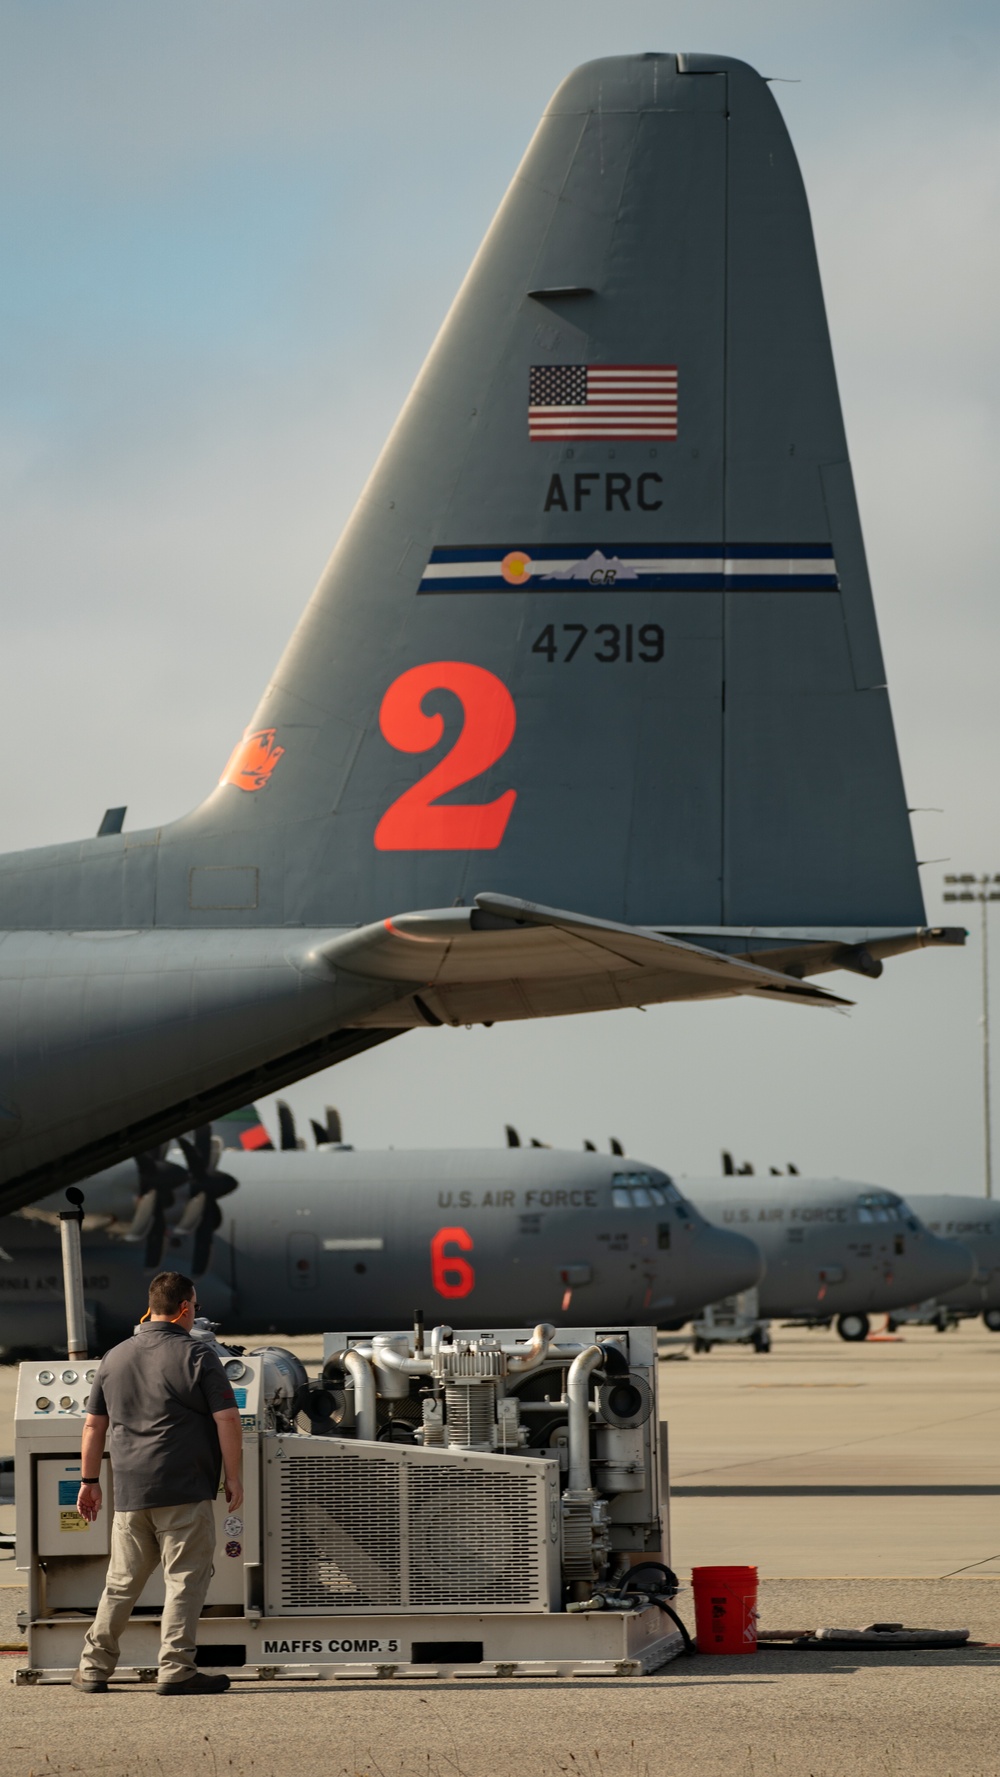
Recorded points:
200,1684
88,1681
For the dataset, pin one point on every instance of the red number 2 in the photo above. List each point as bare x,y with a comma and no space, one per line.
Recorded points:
450,1275
413,823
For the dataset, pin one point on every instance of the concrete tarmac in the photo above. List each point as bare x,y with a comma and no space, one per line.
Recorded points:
863,1481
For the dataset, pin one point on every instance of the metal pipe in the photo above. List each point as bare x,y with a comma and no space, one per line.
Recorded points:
521,1358
591,1358
386,1357
70,1223
360,1371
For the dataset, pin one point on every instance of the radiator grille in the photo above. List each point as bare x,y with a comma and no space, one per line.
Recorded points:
353,1532
340,1524
473,1537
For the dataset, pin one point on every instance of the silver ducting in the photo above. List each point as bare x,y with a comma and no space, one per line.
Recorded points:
581,1403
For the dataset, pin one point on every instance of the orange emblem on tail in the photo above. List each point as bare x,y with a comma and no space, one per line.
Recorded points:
253,761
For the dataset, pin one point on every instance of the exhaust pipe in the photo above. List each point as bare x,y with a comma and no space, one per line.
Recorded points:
70,1224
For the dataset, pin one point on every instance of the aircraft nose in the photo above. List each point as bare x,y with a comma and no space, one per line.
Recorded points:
719,1264
940,1265
736,1262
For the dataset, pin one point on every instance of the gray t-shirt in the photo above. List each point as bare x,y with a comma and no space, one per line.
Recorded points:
160,1389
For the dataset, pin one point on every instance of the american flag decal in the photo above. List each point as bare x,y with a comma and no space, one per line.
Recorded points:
602,401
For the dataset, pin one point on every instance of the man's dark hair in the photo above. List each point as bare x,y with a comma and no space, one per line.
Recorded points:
169,1291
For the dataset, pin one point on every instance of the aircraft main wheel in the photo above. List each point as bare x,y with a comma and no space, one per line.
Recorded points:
761,1340
991,1319
853,1327
890,1324
703,1344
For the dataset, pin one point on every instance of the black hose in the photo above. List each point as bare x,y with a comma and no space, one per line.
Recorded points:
635,1579
669,1611
669,1583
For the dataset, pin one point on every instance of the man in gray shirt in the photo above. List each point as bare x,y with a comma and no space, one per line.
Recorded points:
174,1425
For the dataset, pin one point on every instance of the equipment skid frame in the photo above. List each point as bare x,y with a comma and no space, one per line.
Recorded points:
598,1644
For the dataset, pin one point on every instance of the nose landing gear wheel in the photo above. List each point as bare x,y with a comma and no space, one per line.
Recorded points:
853,1327
991,1319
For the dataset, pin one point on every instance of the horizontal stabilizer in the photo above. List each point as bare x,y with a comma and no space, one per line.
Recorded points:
506,958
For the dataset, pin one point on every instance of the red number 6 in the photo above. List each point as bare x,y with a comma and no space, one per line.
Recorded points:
413,822
450,1275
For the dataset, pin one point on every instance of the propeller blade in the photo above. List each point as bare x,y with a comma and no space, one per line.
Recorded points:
334,1127
197,1160
728,1167
201,1251
204,1173
775,1171
142,1221
158,1180
793,1170
513,1139
320,1135
156,1236
286,1124
616,1147
193,1211
201,1141
590,1147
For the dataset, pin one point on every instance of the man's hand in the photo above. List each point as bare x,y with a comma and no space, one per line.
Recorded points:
230,1430
89,1500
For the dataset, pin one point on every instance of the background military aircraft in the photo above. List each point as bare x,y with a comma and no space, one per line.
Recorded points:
976,1222
833,1249
598,637
312,1241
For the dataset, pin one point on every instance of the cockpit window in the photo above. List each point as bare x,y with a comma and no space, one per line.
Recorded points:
636,1190
882,1206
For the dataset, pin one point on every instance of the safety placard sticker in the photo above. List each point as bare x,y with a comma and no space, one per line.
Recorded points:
233,1525
68,1491
71,1521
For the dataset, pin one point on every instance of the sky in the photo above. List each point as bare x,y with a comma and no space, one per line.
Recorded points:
231,232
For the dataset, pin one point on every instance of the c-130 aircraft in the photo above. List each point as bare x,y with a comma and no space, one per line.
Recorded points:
588,709
306,1242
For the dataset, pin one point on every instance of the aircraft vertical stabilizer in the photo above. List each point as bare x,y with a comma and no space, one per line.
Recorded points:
599,633
587,710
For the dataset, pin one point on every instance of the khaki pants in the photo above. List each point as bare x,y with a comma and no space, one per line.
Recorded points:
183,1539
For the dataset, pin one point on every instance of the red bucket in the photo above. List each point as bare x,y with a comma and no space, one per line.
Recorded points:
725,1609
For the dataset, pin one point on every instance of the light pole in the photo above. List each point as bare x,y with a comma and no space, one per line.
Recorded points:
981,889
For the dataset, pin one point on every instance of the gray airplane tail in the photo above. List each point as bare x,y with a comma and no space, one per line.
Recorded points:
599,634
588,708
598,643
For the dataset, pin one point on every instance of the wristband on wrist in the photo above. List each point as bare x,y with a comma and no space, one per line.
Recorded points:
90,1480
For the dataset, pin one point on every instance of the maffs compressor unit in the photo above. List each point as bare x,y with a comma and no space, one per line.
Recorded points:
489,1500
